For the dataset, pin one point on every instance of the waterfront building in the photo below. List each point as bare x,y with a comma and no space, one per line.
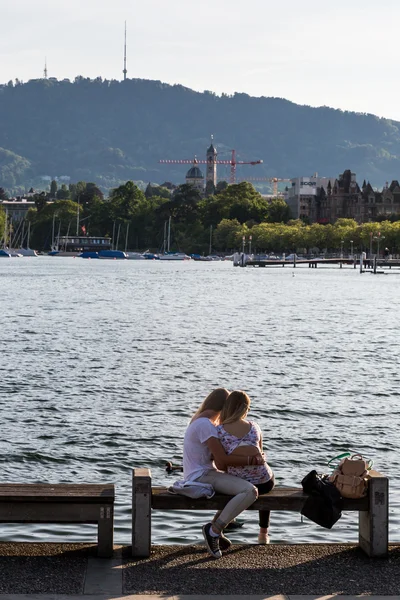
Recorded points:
344,199
17,208
305,194
82,243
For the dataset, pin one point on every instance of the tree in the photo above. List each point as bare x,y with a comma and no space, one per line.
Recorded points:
2,222
221,186
53,189
226,234
40,201
3,194
63,193
278,211
124,201
210,188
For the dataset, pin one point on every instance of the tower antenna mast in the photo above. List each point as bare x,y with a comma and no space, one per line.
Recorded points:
125,70
45,68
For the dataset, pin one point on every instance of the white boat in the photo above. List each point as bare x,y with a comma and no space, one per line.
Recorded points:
134,256
27,252
12,253
175,256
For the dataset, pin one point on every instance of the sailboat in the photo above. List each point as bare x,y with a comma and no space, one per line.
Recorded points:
6,251
26,251
167,255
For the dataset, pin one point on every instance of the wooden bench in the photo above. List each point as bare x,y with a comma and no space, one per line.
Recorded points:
373,509
61,503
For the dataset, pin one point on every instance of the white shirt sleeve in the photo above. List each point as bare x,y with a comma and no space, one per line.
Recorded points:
206,430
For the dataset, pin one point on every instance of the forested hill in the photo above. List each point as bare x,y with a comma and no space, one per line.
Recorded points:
108,132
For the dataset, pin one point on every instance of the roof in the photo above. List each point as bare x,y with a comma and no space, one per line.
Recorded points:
194,173
211,149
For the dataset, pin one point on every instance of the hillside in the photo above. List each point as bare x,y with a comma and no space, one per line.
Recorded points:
109,132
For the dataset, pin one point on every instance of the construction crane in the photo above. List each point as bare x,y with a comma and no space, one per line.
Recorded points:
273,180
232,162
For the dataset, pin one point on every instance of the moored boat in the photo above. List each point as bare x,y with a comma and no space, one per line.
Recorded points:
175,256
112,254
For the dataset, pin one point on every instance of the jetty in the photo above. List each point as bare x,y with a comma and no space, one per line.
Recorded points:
363,264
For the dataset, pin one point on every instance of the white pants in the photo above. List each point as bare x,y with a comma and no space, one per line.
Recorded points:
244,492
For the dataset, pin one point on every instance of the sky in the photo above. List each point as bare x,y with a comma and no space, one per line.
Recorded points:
339,53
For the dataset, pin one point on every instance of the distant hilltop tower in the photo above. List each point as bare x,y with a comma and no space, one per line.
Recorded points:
212,163
45,68
125,70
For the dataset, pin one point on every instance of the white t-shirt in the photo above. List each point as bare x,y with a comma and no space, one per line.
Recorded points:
196,455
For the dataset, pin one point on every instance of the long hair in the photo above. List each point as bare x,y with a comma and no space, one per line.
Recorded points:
214,401
235,407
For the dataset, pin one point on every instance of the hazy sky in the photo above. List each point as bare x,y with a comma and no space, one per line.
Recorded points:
340,53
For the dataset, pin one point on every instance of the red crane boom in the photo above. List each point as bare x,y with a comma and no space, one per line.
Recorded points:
232,162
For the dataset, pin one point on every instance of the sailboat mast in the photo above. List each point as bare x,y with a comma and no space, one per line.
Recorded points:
77,219
5,230
126,237
29,235
119,229
164,249
58,236
169,233
52,233
113,237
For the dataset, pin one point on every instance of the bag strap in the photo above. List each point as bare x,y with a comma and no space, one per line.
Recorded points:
339,457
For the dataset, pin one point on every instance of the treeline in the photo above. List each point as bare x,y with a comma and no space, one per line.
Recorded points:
112,131
136,220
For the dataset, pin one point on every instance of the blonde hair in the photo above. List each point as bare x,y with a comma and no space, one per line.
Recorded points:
235,408
214,401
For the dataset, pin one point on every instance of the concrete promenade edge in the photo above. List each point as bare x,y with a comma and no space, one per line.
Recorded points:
40,571
185,597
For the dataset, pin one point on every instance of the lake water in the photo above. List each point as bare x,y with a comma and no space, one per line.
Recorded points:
103,362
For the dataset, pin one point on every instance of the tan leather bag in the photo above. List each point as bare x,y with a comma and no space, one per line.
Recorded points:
351,477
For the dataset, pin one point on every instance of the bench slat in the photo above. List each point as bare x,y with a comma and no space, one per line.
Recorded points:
47,492
280,498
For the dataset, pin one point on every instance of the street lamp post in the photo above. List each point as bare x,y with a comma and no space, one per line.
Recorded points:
351,243
341,248
250,238
243,243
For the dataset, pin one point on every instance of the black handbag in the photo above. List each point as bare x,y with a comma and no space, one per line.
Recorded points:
324,503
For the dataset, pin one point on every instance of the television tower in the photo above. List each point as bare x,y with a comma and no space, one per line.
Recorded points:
45,68
125,70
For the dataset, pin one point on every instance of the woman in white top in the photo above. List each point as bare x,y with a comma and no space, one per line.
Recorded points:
205,460
237,435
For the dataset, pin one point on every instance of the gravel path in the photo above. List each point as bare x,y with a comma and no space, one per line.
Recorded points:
309,569
43,568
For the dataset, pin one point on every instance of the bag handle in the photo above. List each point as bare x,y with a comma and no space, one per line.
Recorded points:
339,457
357,455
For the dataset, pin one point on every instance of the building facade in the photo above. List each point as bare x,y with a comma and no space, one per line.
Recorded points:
303,195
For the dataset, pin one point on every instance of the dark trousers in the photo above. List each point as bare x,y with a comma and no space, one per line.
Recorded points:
265,488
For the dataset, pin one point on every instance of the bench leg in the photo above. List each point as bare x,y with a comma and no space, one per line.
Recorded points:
141,512
373,533
105,532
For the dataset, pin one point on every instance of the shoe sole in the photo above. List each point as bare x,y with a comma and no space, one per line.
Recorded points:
210,551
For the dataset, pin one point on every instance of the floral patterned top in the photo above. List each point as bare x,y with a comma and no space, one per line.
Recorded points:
254,473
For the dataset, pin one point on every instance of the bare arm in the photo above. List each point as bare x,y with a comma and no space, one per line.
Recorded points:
223,460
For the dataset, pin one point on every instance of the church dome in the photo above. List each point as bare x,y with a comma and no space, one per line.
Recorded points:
194,173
